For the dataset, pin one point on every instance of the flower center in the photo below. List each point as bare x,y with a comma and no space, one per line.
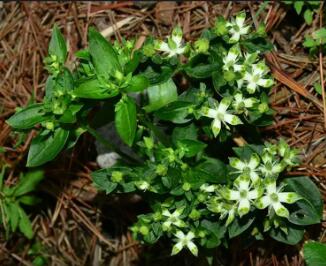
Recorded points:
274,197
220,116
243,193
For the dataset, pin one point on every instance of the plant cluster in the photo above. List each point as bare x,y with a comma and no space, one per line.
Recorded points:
306,8
12,199
176,104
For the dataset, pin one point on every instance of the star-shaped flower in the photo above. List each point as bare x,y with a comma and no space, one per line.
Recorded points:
240,104
270,167
174,44
243,193
237,27
274,198
248,168
185,241
220,115
255,78
172,218
231,59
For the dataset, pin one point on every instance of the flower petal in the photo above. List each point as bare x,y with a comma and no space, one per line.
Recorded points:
263,202
224,104
271,186
237,163
254,177
244,207
280,210
254,161
232,119
193,248
216,126
176,248
288,197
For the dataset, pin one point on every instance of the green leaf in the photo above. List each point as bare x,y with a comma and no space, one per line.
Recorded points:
28,117
308,15
137,83
162,76
94,89
211,170
309,42
29,200
191,147
306,189
13,215
126,119
293,237
187,132
28,183
298,6
318,88
24,224
49,87
216,233
57,45
314,254
309,210
46,148
160,95
239,225
175,112
201,71
104,57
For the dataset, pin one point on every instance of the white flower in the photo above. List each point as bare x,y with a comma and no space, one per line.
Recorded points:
274,198
220,115
254,78
249,168
231,59
244,194
184,241
271,167
174,45
240,103
237,27
142,185
172,218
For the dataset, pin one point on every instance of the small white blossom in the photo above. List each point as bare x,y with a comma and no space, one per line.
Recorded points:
172,219
231,59
255,78
220,115
243,194
237,27
184,241
240,103
174,45
270,167
249,168
274,198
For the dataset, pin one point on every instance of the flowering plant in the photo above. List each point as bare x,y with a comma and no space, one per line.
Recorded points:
177,105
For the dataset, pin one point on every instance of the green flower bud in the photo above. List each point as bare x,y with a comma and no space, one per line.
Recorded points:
149,143
49,125
195,214
263,107
117,176
118,75
161,170
149,50
157,216
202,46
201,197
186,186
144,230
